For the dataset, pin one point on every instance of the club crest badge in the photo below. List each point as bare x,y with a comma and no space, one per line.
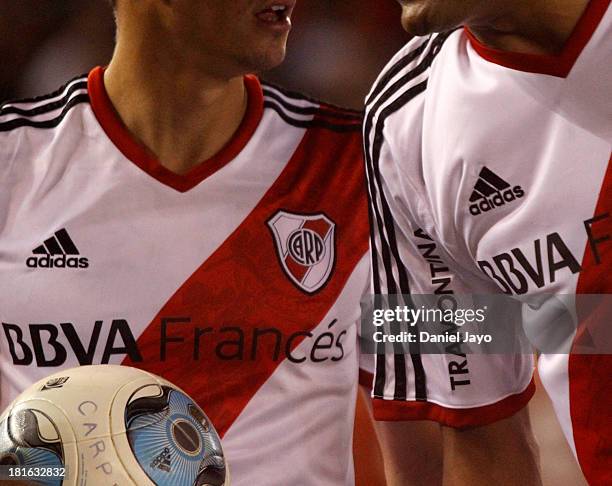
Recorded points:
305,245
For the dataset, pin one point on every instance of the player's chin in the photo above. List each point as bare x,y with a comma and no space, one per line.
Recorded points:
268,57
415,21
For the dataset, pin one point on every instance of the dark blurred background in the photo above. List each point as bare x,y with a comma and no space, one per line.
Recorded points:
336,49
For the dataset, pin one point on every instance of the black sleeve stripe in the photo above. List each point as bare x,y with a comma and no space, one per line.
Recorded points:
54,122
380,371
386,223
388,246
401,64
313,123
46,97
44,108
301,97
392,90
310,110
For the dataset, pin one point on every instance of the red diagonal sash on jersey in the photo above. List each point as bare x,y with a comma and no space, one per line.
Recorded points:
242,285
590,376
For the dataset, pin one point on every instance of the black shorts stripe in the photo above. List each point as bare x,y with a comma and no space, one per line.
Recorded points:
311,110
45,108
373,150
314,123
384,80
45,97
54,122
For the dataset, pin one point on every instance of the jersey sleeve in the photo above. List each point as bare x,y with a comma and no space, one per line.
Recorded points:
366,360
7,158
455,389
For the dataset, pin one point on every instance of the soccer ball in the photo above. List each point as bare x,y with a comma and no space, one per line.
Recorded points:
109,425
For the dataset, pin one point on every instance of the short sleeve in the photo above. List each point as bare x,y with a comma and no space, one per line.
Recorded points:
455,389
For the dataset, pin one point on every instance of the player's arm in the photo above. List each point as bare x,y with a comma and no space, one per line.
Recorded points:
367,454
501,453
412,452
380,447
369,467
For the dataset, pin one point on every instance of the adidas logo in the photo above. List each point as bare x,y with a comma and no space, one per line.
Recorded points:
162,461
491,191
57,252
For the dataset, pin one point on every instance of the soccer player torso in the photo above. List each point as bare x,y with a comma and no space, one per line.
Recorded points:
495,170
239,281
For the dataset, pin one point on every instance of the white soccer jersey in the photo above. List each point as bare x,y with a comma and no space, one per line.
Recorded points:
490,172
239,281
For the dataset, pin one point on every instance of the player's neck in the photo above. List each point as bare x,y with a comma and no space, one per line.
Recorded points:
181,115
531,26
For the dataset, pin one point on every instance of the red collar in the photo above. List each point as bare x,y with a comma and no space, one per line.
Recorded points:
143,158
556,65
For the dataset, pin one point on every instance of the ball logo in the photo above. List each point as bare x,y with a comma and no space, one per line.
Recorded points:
305,246
162,461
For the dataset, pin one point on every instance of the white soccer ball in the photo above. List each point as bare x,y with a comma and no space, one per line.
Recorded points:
109,425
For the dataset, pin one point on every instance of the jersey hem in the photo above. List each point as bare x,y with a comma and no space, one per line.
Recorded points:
391,410
558,65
